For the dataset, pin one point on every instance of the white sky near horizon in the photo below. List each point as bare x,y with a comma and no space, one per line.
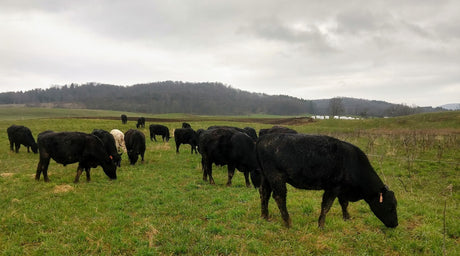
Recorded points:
397,51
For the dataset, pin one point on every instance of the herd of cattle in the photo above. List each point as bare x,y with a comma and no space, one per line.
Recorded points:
277,156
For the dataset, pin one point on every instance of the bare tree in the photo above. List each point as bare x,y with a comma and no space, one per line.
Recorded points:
336,106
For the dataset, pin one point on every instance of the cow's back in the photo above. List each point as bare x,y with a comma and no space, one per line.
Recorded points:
64,147
307,161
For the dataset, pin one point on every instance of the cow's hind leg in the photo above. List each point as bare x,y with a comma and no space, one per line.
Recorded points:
203,167
246,179
42,167
88,174
231,172
279,194
344,204
177,148
79,172
328,199
265,191
207,170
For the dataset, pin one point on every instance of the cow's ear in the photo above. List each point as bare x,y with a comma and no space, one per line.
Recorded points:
384,189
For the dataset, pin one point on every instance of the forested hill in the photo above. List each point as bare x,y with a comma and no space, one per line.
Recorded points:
197,98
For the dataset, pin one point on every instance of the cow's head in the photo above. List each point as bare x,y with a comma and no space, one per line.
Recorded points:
34,148
117,159
110,169
383,205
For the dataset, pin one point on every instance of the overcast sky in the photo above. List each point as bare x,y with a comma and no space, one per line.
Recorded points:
398,51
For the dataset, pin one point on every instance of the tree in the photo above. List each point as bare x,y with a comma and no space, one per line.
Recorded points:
336,106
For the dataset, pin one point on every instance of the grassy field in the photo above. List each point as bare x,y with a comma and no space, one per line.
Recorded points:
162,206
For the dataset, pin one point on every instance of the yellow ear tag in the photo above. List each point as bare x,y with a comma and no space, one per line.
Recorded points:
381,198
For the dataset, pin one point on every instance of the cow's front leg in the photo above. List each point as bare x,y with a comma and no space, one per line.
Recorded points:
328,199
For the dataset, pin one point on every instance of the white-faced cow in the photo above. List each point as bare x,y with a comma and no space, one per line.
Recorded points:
119,139
17,135
186,136
319,162
135,144
72,147
109,144
158,129
228,146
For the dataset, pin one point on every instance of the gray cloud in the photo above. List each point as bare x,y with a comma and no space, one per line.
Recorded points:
307,49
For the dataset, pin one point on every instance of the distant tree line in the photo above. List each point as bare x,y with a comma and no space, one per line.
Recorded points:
198,98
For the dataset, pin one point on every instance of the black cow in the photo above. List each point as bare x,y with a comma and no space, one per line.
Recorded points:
18,134
276,129
248,130
227,146
109,144
135,144
124,119
186,136
71,147
319,162
251,132
140,122
158,129
186,125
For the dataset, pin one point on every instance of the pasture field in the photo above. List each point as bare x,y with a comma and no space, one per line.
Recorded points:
162,206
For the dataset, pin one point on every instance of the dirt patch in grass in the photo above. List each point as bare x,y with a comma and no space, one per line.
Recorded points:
62,189
6,174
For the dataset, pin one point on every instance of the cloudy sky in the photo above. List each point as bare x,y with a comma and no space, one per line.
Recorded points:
398,51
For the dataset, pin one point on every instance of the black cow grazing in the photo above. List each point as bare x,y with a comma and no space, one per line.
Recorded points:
227,146
109,145
135,144
71,147
276,129
124,119
17,135
186,125
140,122
318,162
186,136
158,129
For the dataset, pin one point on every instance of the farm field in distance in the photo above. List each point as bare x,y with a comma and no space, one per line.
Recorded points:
163,207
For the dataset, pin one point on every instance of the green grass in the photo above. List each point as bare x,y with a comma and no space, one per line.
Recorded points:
162,206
